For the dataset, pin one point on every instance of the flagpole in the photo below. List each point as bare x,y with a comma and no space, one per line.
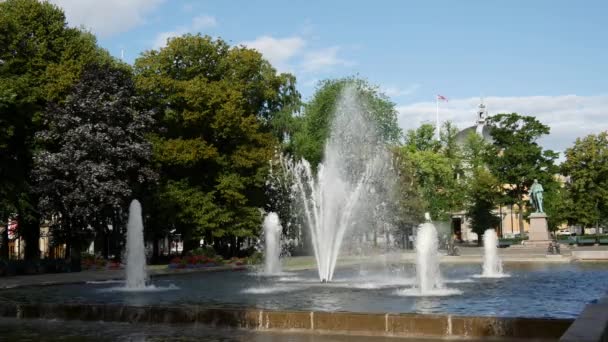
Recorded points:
437,118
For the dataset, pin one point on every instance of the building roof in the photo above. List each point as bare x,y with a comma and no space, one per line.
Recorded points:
482,129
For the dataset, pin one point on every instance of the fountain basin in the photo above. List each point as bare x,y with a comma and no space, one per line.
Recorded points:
533,290
366,324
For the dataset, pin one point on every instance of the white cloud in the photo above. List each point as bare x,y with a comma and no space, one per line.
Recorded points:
107,17
292,54
278,51
198,23
323,59
161,38
569,116
393,91
203,21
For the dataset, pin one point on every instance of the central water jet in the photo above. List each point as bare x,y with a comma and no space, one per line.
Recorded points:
355,163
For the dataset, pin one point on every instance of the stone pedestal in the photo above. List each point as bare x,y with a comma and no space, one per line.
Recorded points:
539,231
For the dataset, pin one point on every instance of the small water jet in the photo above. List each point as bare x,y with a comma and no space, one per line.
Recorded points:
136,256
427,258
272,241
492,265
428,275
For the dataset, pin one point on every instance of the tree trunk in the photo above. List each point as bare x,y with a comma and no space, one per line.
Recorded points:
189,245
4,243
106,243
68,241
521,218
155,249
30,231
115,245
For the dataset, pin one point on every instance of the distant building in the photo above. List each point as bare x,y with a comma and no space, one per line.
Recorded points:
509,215
480,127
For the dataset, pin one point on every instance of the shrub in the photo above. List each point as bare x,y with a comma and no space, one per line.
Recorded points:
206,251
255,258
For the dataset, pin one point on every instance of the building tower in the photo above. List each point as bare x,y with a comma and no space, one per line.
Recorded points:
482,113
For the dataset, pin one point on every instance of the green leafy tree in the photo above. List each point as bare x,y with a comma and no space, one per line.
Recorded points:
309,140
516,158
559,207
482,196
483,192
437,166
93,156
409,207
221,114
40,60
587,167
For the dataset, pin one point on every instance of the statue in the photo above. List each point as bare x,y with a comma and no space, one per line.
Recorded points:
536,196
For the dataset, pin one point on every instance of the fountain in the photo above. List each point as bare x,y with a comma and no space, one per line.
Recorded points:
272,239
492,265
343,188
136,257
428,276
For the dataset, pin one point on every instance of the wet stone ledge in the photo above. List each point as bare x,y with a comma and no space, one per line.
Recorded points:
418,325
591,325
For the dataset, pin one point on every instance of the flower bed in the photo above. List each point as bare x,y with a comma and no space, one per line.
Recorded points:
91,262
195,261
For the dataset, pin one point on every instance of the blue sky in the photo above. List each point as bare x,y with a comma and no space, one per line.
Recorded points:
543,58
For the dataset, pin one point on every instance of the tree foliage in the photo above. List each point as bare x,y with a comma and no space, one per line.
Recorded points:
586,166
315,124
483,191
94,153
516,158
221,112
437,165
40,60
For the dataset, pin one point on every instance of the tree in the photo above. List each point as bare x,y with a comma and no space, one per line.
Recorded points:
482,195
587,167
40,60
94,156
559,207
516,158
309,140
221,114
409,206
483,191
437,166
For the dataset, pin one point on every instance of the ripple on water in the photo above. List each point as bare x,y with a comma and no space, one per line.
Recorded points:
268,289
414,292
148,288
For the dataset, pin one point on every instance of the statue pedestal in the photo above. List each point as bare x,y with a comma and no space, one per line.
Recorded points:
539,231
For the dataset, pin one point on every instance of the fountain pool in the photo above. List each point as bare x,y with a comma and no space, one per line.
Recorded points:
533,290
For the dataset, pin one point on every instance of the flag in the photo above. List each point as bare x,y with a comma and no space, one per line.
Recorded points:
442,98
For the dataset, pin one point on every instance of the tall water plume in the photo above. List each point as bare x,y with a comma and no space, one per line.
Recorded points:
492,265
272,241
346,184
136,256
